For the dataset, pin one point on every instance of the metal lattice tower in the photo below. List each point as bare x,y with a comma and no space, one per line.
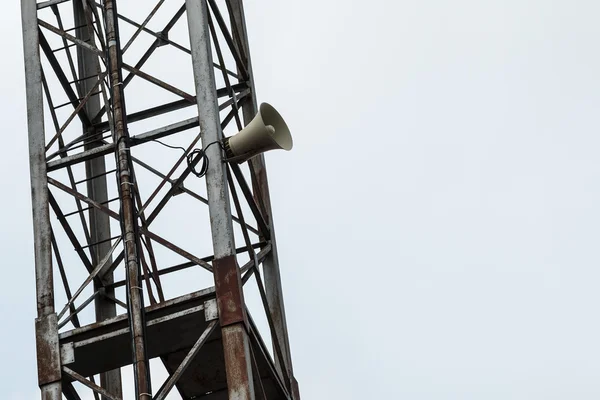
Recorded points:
141,265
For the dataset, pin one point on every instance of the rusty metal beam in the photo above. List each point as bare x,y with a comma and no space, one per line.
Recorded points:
128,215
48,354
272,275
236,343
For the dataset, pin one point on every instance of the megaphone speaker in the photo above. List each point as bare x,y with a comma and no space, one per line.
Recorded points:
267,131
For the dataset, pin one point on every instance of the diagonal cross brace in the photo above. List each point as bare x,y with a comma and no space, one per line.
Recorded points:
143,230
168,385
62,78
71,38
81,379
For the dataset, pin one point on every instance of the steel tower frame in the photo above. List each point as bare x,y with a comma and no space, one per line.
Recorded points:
102,214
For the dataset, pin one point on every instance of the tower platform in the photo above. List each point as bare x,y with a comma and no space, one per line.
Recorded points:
172,328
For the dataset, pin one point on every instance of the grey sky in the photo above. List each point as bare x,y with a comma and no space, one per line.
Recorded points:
437,219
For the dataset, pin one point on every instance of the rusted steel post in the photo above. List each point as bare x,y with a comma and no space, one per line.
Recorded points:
260,185
128,214
232,316
48,354
89,67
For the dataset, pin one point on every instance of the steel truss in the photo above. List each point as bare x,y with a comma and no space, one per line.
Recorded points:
118,104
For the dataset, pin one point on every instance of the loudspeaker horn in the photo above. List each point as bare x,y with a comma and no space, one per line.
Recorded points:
267,131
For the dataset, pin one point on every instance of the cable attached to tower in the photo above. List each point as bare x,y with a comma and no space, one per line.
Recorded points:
194,157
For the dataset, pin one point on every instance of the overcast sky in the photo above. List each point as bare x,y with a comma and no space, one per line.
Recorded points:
438,219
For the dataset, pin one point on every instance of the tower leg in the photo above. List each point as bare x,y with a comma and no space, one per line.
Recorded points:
236,343
88,67
48,354
273,287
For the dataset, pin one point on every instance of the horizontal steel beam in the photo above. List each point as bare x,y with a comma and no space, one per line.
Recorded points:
134,141
240,88
266,248
49,3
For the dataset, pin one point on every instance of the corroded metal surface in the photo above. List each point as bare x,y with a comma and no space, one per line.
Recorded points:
128,215
48,352
228,287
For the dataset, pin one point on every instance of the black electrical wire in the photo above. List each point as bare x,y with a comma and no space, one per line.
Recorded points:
194,157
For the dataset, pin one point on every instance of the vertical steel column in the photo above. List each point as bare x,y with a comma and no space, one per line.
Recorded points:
128,213
88,70
236,343
48,354
260,185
